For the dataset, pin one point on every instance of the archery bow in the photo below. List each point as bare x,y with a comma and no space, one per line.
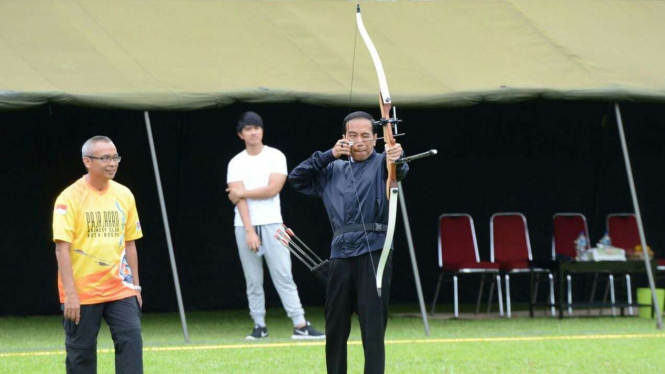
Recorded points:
392,187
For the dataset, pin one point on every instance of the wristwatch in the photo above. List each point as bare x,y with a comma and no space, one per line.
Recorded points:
138,288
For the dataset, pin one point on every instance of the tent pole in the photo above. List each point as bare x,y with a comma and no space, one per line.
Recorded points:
167,230
638,215
414,264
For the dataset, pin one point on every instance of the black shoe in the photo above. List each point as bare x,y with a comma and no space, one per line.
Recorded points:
258,333
307,333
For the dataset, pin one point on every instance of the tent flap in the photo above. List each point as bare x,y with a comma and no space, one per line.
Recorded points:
188,54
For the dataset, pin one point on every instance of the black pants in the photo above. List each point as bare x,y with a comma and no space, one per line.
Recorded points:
352,288
123,317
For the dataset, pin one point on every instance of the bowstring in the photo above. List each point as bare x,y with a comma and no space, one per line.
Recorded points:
353,67
353,178
362,219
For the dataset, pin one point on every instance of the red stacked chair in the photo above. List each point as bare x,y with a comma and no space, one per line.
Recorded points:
624,233
622,228
511,249
566,229
458,254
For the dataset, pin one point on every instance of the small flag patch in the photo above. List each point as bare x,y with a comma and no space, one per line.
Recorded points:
61,209
138,226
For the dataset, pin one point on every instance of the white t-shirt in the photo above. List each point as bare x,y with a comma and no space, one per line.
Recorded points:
254,172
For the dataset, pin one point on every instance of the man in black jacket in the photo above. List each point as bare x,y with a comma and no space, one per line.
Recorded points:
354,195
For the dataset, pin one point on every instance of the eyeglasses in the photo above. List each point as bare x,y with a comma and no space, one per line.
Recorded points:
106,159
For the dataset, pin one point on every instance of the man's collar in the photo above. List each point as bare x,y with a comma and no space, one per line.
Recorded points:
372,155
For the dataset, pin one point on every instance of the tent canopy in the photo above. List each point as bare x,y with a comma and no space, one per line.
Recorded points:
189,54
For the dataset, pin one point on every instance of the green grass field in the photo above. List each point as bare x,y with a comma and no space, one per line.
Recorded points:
519,345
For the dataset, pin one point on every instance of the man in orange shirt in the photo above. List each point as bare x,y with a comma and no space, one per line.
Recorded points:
95,224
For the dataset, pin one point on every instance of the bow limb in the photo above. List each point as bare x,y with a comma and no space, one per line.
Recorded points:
385,101
392,187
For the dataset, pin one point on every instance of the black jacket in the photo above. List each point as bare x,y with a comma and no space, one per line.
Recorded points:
345,187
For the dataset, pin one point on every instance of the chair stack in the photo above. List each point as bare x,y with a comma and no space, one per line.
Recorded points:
511,255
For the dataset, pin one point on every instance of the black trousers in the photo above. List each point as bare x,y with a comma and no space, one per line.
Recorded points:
352,288
123,317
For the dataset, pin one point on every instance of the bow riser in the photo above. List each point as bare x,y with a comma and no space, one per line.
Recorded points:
388,138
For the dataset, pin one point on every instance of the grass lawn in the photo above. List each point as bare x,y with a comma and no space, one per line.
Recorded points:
519,345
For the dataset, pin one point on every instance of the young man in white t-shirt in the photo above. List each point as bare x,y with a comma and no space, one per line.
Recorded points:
255,177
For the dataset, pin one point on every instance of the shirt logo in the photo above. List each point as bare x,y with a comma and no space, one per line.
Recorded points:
138,226
61,209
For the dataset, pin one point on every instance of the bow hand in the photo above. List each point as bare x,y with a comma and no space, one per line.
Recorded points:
393,153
